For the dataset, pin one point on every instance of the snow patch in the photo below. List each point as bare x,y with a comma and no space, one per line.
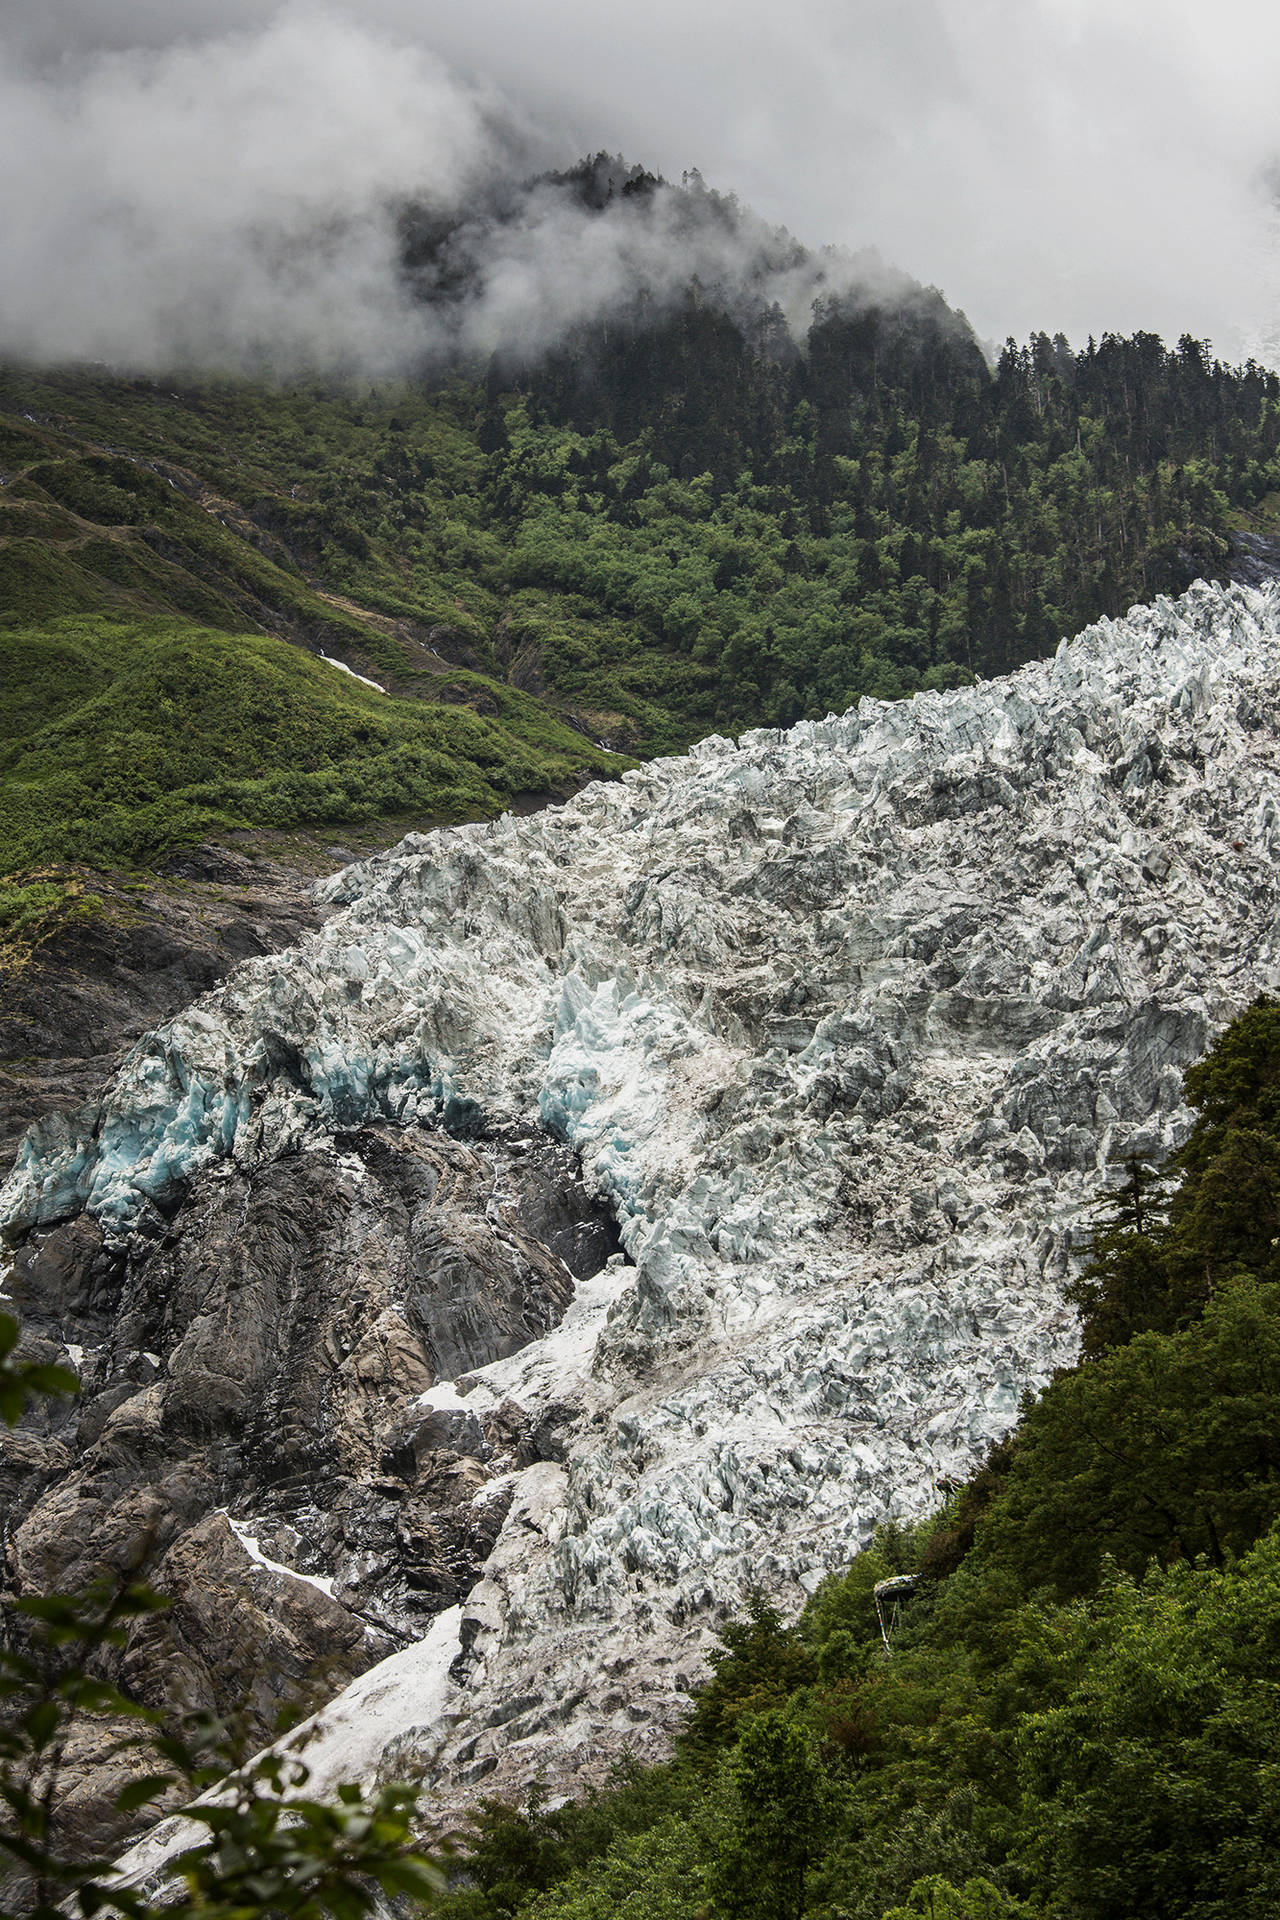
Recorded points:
322,1583
442,1398
492,1488
407,1694
411,1692
342,667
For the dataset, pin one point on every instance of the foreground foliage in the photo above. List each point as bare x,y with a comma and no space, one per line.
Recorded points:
252,1840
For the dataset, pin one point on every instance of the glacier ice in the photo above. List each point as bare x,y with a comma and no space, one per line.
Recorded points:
849,1024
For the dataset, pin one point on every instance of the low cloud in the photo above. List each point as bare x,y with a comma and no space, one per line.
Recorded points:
230,202
241,203
222,184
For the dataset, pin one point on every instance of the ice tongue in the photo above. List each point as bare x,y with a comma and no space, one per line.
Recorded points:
848,1024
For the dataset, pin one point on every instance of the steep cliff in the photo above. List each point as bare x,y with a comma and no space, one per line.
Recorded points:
842,1027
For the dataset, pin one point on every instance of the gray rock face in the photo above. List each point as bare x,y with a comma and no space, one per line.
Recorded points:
249,1438
846,1027
1255,558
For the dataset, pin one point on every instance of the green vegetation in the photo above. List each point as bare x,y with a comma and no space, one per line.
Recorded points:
1163,1255
1078,1716
150,691
669,529
666,528
886,513
266,1846
124,735
29,904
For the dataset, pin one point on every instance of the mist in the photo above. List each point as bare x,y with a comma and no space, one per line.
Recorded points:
223,187
229,203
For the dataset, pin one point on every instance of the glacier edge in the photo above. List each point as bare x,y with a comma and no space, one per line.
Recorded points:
848,1024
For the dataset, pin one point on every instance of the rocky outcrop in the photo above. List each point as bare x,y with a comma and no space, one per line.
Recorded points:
250,1437
1255,558
845,1026
137,949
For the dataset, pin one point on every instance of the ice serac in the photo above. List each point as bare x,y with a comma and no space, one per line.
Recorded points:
847,1024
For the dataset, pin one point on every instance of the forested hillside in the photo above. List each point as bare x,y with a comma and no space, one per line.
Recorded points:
664,531
683,519
887,512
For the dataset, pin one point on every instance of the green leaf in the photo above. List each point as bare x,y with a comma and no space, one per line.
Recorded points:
42,1722
138,1792
137,1600
55,1381
59,1609
413,1874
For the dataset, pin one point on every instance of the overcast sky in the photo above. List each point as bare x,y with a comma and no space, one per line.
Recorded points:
1059,164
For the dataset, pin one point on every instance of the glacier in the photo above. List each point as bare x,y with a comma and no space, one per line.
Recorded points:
850,1025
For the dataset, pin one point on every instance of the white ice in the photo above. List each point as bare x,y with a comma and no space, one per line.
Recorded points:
323,1583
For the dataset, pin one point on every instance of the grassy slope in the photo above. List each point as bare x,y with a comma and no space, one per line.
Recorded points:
357,522
158,674
124,735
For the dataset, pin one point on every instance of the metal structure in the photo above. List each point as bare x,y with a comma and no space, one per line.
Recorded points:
889,1596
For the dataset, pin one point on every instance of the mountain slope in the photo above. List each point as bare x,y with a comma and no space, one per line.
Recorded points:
670,522
846,1026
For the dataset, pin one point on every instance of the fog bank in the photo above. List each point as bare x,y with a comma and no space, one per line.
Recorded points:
219,184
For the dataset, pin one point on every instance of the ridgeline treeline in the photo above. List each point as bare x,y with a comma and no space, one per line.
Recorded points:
884,512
